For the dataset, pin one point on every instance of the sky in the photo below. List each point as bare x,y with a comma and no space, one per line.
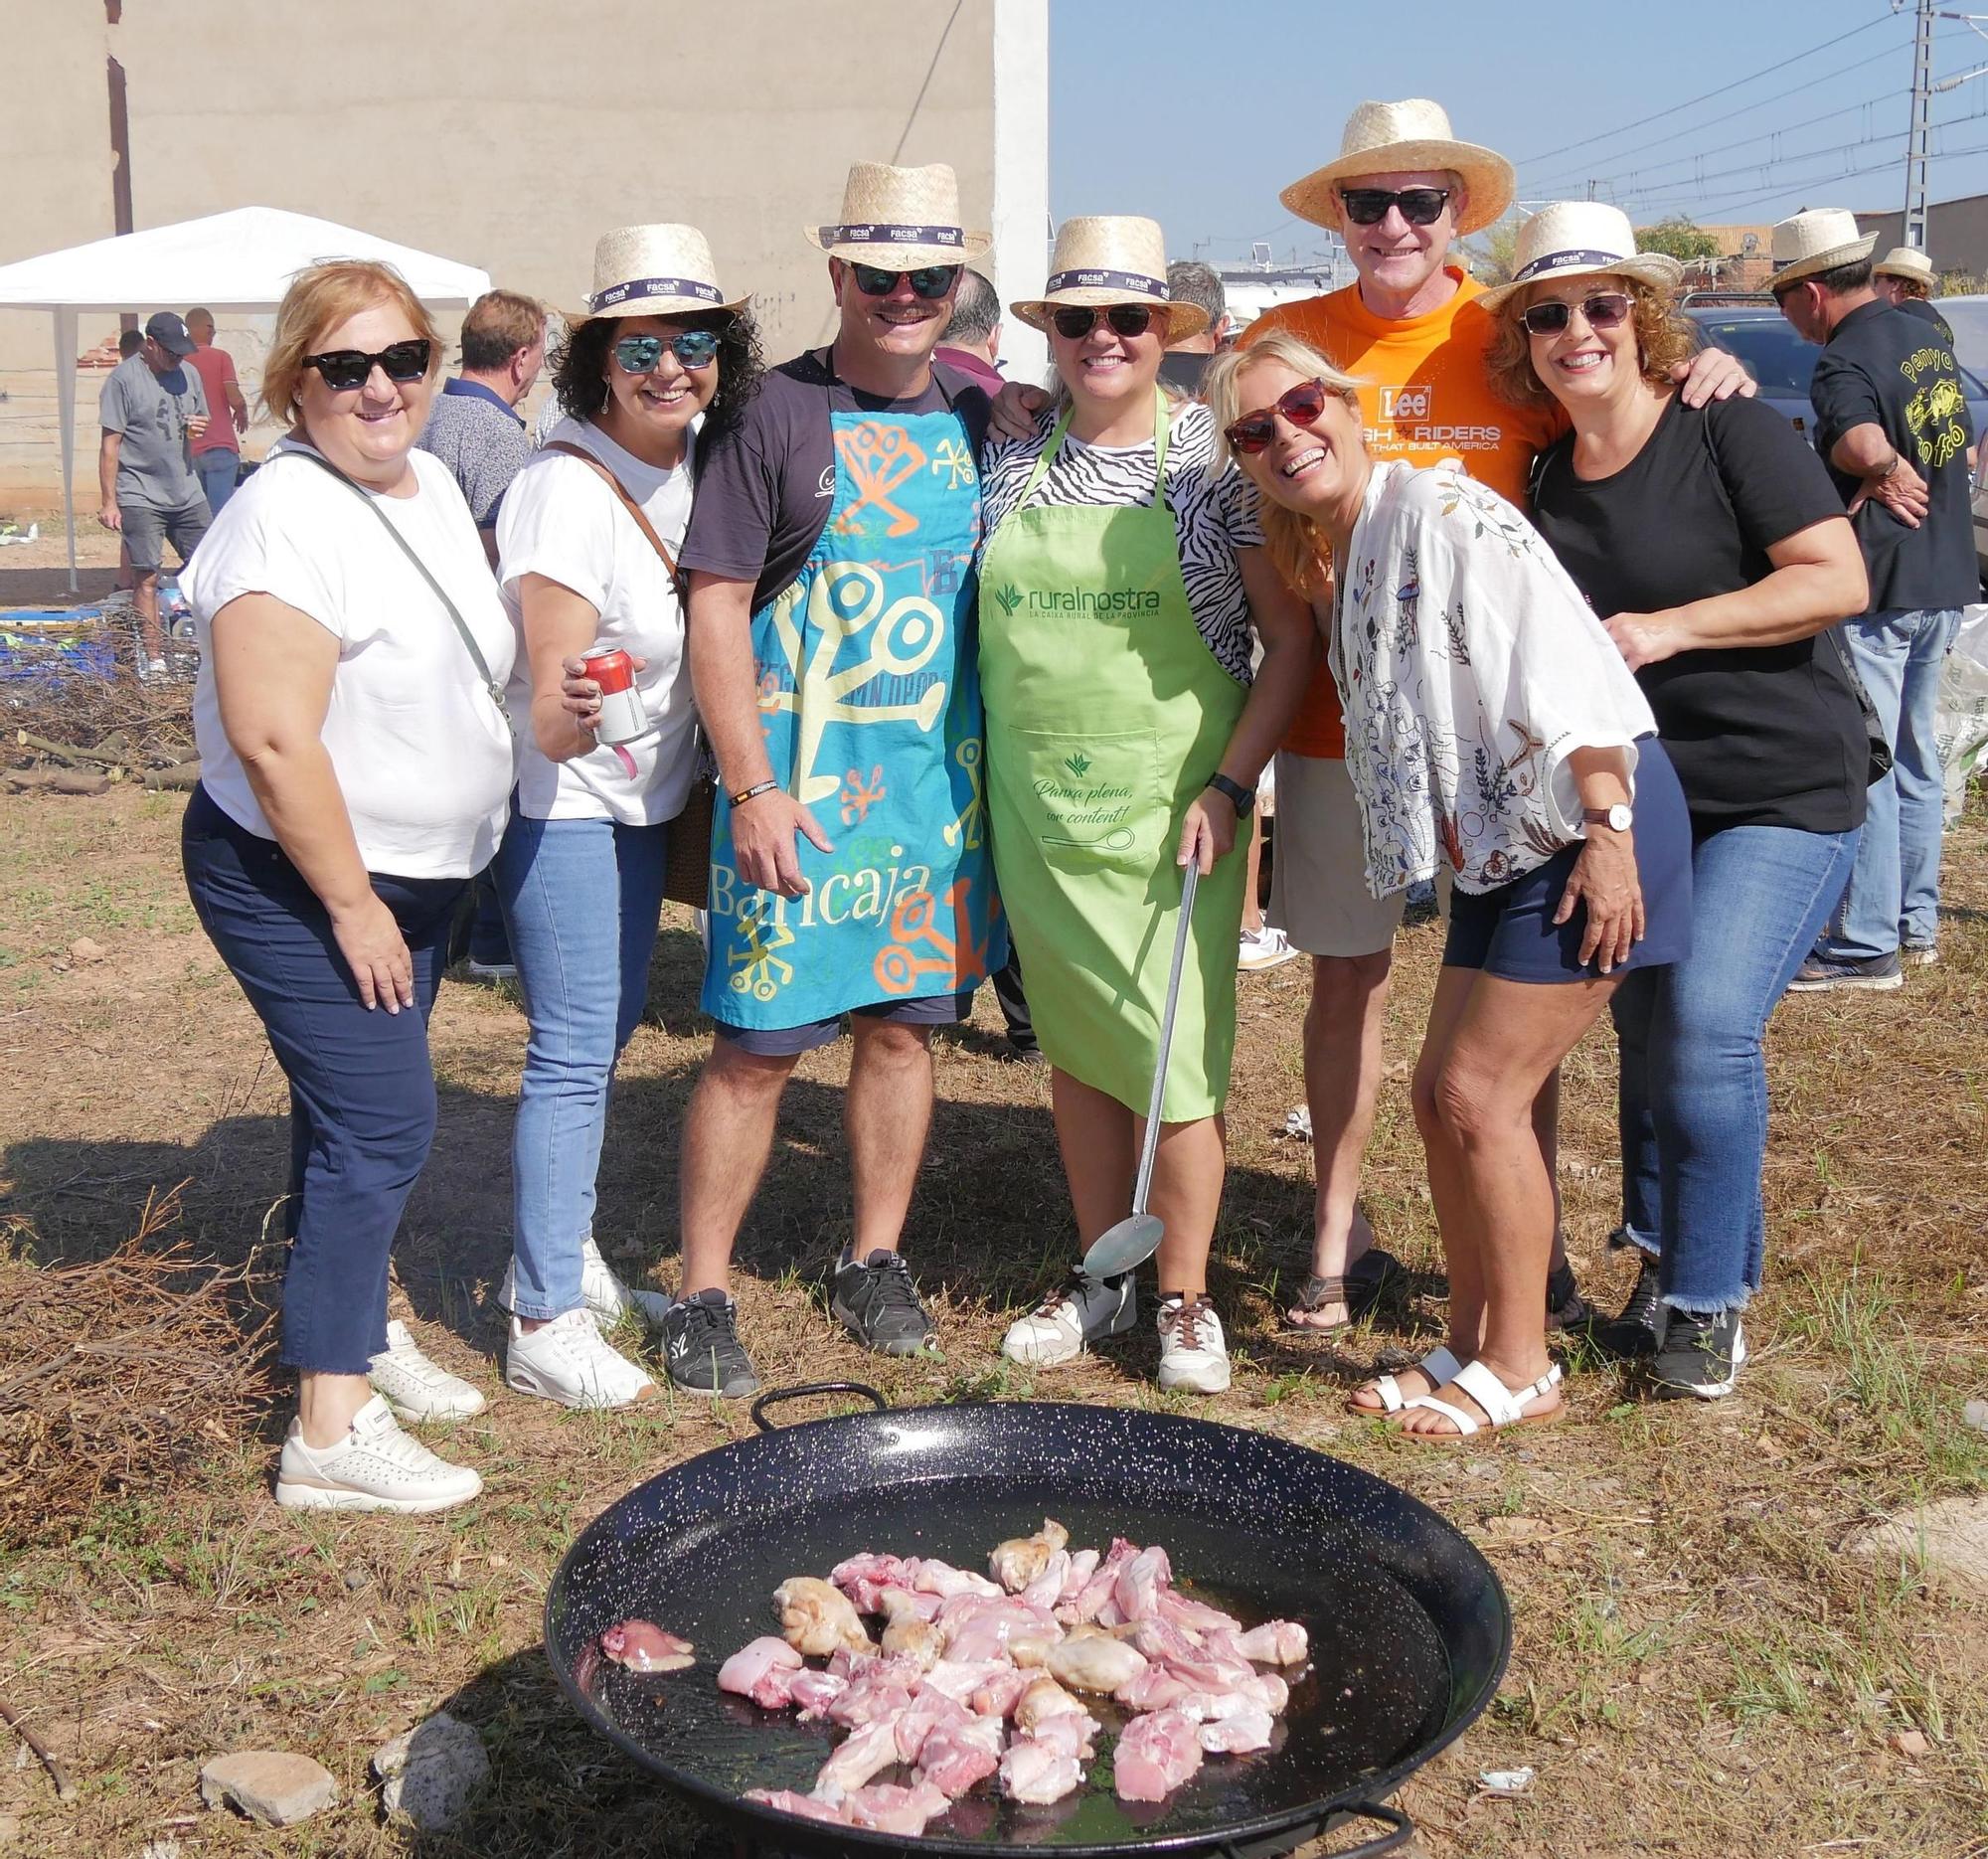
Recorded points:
1215,107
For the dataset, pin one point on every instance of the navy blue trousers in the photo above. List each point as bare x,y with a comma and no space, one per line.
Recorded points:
361,1085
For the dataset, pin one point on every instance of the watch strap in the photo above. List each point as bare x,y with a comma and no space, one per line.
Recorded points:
1240,797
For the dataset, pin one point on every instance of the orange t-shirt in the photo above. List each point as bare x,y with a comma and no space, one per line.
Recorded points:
1425,395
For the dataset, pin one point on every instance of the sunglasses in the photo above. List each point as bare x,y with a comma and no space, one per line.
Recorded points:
1607,309
929,282
1126,319
694,348
1301,405
1420,206
344,369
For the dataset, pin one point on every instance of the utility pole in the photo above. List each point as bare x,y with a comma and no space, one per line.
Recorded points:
1918,136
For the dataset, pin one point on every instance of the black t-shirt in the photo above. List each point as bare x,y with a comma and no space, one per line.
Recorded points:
1919,307
763,489
1880,367
1760,736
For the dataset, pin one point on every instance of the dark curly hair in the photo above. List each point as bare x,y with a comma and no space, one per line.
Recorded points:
1664,337
580,362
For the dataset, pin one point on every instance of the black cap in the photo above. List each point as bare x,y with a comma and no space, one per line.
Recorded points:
170,333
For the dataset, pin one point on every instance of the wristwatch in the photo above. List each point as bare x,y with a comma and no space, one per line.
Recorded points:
1618,819
1239,797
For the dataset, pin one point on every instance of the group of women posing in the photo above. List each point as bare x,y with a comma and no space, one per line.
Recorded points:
1551,713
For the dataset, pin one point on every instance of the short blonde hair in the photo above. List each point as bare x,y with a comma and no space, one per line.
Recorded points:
1297,548
319,300
1664,337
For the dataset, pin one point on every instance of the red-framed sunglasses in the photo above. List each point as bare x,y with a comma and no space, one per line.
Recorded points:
1301,405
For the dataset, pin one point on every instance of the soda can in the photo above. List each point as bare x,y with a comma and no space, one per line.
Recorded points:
622,716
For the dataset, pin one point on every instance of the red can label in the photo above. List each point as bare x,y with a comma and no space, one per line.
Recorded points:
612,671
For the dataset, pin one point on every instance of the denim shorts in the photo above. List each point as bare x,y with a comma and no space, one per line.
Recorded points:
1509,932
787,1041
147,531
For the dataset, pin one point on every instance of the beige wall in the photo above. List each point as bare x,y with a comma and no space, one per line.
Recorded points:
508,135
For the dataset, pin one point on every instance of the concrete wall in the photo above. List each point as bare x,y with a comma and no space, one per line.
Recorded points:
1956,234
502,132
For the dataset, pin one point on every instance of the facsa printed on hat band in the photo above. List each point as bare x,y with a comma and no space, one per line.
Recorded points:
1558,261
883,235
657,288
1109,281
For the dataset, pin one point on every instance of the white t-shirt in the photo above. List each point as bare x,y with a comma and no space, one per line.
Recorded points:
560,521
421,753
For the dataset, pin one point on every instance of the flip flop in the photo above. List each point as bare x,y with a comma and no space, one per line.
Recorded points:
1503,1407
1361,1287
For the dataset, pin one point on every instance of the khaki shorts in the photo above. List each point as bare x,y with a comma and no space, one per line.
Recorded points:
1318,874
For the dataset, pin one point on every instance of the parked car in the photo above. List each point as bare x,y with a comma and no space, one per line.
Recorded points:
1968,317
1783,363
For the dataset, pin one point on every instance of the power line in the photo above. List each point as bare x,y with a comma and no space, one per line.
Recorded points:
1735,201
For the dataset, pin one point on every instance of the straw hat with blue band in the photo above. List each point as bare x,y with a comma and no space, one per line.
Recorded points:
1582,238
1105,258
900,220
656,271
1410,135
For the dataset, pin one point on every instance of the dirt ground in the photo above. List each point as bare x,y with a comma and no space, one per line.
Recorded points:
1698,1671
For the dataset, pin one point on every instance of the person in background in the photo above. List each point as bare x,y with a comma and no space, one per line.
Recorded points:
151,410
216,452
589,545
130,343
355,767
1903,279
1185,361
973,334
1713,546
1891,425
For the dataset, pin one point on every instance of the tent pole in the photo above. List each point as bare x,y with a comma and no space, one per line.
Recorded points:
66,413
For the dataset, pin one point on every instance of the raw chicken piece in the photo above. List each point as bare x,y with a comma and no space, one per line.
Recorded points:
1083,1566
788,1802
848,1665
959,1753
1137,1592
998,1695
812,1692
1268,1690
981,1629
1085,1603
643,1646
1017,1562
764,1671
1047,1589
1155,1755
1095,1662
1068,1733
884,1808
1043,1698
1195,1617
959,1679
928,1712
876,1694
1238,1733
1156,1688
881,1570
1036,1775
867,1751
1276,1642
929,1576
912,1631
817,1617
894,1603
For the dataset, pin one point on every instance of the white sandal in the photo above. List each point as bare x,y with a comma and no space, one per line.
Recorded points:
1439,1365
1503,1407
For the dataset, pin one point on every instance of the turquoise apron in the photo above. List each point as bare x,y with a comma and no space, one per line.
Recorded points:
870,701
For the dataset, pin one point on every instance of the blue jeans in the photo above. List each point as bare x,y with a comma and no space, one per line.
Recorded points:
1694,1090
217,471
582,901
1895,885
362,1086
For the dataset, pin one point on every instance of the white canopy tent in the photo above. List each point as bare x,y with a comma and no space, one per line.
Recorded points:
239,260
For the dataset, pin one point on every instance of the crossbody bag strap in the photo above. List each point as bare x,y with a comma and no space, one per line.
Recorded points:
401,542
629,504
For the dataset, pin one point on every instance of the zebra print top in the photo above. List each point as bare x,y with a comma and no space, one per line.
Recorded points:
1215,512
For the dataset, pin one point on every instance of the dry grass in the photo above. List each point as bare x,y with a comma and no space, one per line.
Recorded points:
1698,1670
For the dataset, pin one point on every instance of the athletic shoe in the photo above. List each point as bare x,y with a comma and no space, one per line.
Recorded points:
1880,973
568,1360
376,1466
601,1291
1193,1354
1699,1355
1920,954
415,1388
1263,949
701,1346
490,972
1079,1312
1639,1329
878,1304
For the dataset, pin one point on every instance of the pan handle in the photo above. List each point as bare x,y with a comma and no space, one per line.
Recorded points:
1401,1829
802,1390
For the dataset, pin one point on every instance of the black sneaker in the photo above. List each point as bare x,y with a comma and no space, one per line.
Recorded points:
1640,1326
1880,973
1699,1355
1566,1310
877,1304
701,1346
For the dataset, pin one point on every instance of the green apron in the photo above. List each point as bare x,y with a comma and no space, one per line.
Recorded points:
1106,713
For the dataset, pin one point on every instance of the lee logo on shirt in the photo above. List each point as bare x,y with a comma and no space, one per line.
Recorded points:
1409,403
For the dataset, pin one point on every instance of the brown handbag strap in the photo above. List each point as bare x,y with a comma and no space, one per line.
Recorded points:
629,504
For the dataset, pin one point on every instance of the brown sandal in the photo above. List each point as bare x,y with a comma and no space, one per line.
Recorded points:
1364,1282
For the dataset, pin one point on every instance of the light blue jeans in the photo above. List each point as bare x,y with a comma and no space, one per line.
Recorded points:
582,900
217,470
1694,1090
1895,886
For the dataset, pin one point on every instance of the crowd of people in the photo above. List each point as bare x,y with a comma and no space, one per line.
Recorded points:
1512,590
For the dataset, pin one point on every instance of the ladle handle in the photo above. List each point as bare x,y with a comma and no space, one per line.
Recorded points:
1189,879
802,1389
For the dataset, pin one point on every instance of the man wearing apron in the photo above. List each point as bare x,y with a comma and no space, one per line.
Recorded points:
834,656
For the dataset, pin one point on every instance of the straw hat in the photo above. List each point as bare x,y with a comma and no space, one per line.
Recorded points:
900,220
1110,257
1817,241
1582,238
1387,139
655,271
1906,261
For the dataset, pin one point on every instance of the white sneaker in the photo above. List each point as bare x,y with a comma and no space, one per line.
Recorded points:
1267,947
1193,1354
602,1292
1079,1312
415,1388
568,1361
376,1466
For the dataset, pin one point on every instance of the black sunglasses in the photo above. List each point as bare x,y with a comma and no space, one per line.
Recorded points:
694,348
347,369
1420,206
931,281
1126,319
1607,309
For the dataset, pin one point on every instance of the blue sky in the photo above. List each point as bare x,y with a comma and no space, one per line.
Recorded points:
1215,107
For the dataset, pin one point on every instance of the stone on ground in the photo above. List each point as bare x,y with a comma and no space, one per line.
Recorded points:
275,1787
1949,1540
1975,1414
432,1772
